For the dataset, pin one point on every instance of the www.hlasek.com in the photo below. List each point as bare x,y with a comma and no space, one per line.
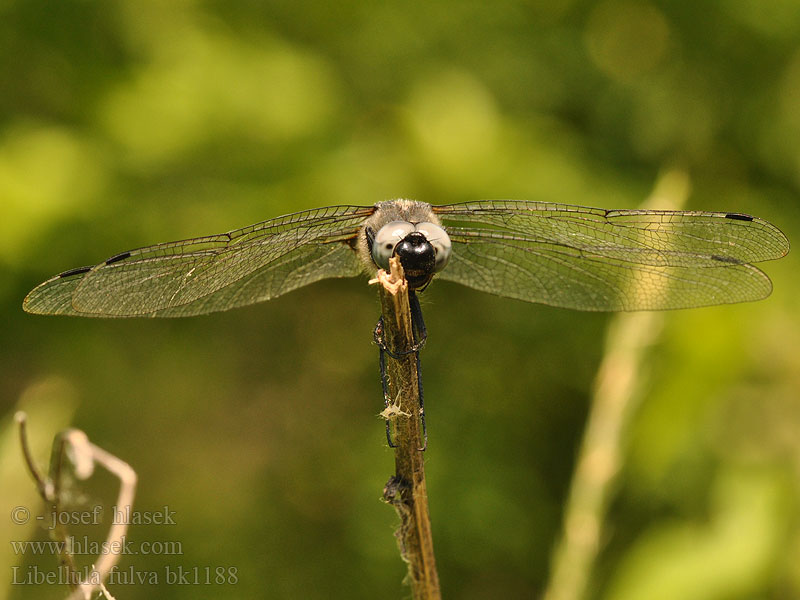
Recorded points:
171,575
80,546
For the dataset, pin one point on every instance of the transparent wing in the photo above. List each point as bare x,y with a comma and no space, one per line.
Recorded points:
213,273
595,259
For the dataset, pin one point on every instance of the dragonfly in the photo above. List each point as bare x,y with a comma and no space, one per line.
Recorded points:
574,257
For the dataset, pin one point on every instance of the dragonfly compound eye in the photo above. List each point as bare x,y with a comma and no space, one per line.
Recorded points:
387,239
440,241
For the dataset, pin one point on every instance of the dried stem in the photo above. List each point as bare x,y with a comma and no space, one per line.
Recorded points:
83,455
49,490
406,490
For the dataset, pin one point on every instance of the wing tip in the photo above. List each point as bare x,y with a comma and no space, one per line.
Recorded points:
36,301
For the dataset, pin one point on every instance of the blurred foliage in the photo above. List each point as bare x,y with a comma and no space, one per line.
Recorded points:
126,123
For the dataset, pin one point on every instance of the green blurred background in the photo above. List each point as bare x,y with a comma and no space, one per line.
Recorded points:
125,123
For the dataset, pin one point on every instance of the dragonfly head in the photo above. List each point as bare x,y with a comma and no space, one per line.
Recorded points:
423,249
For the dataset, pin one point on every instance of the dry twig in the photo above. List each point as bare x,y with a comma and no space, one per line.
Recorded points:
83,455
406,489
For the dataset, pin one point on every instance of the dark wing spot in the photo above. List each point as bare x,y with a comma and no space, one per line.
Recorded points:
78,271
118,257
738,217
726,259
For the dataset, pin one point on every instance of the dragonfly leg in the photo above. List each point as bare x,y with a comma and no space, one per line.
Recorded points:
385,386
418,330
420,335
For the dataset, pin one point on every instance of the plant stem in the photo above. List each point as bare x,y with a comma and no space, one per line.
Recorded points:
406,489
616,396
